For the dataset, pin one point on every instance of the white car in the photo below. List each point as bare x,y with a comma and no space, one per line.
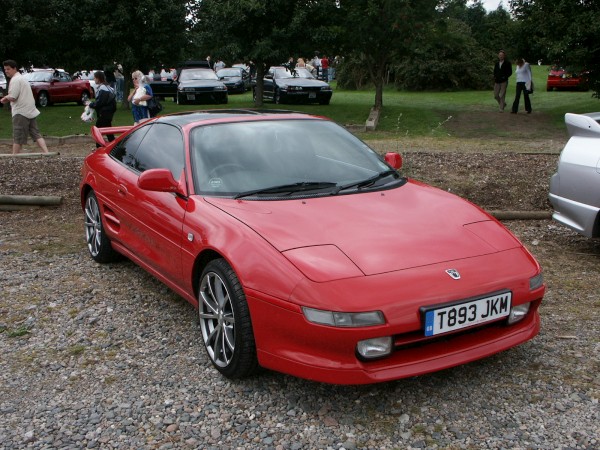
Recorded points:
575,187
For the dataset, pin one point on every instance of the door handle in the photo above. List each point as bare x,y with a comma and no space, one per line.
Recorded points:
122,189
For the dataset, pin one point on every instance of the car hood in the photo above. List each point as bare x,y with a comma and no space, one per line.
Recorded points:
383,231
304,82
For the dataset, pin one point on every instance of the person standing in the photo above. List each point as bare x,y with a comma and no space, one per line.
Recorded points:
105,103
24,112
523,72
139,97
325,68
502,72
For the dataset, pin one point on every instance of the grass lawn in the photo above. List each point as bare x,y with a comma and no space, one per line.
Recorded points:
464,114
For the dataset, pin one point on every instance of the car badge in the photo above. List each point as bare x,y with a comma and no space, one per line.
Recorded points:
453,274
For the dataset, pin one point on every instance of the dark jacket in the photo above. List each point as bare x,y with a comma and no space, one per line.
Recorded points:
501,74
105,102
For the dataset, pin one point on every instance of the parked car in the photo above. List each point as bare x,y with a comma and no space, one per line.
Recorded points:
304,250
296,86
198,85
575,187
560,78
235,78
3,86
56,86
167,87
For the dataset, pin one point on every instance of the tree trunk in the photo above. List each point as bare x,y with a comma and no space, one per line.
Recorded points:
259,86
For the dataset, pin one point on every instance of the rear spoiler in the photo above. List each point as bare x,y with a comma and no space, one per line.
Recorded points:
585,125
98,133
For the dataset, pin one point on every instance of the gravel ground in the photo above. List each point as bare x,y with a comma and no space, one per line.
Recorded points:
105,356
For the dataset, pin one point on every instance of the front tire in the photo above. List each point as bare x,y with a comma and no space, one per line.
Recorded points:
225,321
43,99
98,243
180,100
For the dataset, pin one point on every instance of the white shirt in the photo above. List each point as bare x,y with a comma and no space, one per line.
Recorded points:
24,103
523,73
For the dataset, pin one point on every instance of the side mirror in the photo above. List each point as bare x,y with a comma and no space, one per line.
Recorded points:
394,159
159,180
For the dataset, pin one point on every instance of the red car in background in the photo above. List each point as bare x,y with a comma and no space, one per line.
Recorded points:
56,86
562,79
304,251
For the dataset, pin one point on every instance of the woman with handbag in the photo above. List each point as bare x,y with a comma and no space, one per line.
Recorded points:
142,92
524,85
105,103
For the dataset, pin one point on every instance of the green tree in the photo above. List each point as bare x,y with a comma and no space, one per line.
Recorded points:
267,33
561,31
380,32
92,34
451,59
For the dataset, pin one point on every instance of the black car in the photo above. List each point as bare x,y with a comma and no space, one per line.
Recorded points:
282,85
200,85
168,87
235,78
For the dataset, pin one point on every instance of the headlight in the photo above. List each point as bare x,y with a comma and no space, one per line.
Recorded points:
326,88
220,88
536,282
341,319
517,313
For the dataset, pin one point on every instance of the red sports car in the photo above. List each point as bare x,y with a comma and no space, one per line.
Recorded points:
559,78
306,252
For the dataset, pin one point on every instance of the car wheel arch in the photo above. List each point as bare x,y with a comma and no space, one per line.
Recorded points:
201,261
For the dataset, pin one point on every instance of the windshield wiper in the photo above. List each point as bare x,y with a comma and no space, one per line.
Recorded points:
288,188
368,182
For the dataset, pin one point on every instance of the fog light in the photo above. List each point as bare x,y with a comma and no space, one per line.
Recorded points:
517,313
375,348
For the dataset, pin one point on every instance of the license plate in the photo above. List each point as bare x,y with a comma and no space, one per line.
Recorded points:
191,97
450,318
312,95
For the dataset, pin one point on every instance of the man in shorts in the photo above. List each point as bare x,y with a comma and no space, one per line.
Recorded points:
24,111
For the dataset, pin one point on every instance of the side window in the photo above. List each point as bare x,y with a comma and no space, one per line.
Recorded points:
162,149
125,150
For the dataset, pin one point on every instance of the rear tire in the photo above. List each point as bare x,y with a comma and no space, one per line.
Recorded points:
98,243
85,97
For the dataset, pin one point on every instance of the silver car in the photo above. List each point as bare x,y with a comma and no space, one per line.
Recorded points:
575,187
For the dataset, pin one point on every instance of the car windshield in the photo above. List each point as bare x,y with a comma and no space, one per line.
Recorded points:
38,76
278,159
296,73
197,74
229,73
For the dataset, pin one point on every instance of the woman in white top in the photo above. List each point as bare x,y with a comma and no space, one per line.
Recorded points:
523,72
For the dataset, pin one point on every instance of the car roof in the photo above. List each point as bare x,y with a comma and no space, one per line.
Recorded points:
190,117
